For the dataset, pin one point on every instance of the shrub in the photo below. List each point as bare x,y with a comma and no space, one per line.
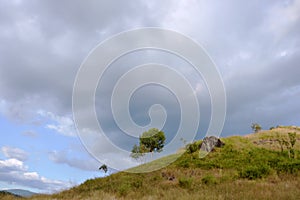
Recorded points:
124,189
193,147
291,167
255,172
209,180
137,183
185,183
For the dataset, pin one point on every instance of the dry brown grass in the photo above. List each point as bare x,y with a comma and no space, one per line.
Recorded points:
7,196
286,187
267,138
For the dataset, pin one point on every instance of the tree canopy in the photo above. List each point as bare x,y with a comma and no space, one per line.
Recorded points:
104,168
153,140
256,127
150,141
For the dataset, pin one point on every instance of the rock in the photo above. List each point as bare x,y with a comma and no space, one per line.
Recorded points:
209,143
171,178
168,176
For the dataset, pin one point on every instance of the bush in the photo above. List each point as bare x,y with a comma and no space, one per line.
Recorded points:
193,147
255,172
124,189
183,163
209,180
185,183
288,167
137,183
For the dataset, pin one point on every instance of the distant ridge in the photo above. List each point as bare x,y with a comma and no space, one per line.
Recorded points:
5,194
19,192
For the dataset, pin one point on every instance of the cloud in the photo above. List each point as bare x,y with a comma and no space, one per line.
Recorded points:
11,152
255,45
65,157
30,133
50,47
61,124
12,165
14,172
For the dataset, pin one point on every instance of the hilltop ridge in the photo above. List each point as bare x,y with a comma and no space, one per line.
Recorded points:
246,167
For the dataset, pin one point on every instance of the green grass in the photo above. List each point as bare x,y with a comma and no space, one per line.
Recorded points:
244,168
154,165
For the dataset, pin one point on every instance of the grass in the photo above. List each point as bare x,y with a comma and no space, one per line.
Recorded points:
7,196
245,168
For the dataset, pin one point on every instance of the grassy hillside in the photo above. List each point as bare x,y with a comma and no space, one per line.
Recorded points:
8,196
249,167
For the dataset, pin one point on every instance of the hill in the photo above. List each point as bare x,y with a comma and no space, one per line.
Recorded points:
255,166
20,192
8,196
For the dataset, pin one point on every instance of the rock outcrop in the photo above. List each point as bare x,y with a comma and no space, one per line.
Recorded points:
209,143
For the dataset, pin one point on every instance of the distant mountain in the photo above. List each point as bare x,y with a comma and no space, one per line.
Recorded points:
4,194
19,192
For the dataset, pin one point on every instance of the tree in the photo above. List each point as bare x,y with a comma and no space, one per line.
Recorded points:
281,141
292,137
288,143
138,152
103,167
151,141
256,127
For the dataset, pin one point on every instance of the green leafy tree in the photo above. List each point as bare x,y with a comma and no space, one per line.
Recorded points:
138,152
151,141
292,138
281,141
256,127
289,143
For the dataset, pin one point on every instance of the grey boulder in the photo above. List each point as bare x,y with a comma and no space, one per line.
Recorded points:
209,143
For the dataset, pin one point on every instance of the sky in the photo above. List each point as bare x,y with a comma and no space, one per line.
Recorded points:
254,44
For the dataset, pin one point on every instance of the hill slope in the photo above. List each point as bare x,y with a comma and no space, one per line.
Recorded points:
250,167
8,196
21,193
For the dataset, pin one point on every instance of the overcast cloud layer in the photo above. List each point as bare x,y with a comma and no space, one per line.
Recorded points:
255,45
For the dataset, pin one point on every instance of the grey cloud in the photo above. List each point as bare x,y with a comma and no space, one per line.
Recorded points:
62,157
11,152
30,133
45,44
255,45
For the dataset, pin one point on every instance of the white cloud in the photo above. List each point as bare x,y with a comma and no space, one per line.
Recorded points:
2,106
13,171
12,164
31,175
11,152
61,124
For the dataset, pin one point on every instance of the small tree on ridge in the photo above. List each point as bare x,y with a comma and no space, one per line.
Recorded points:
151,141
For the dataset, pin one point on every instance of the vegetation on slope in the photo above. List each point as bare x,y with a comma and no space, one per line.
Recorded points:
251,167
8,196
